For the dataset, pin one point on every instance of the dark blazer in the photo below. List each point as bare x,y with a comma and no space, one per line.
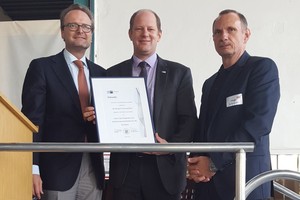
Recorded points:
174,119
256,78
50,100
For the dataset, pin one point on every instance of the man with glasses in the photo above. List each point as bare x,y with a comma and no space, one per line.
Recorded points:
55,93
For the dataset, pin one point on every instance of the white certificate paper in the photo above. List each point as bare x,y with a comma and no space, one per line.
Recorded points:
122,110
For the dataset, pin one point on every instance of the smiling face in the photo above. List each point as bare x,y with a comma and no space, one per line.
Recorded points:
230,38
76,41
144,34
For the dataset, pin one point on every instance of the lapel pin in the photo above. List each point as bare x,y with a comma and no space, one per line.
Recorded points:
164,72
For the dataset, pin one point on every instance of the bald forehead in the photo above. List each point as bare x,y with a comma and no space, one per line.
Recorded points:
232,18
228,16
226,19
143,13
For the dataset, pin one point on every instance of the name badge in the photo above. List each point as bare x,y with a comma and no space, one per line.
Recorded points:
234,100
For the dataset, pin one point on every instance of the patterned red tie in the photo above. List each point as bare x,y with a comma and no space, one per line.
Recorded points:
82,86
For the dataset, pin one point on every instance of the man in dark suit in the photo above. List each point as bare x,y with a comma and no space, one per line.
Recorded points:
141,176
238,104
51,99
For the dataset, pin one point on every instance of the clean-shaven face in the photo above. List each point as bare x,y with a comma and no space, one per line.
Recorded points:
76,40
144,34
229,36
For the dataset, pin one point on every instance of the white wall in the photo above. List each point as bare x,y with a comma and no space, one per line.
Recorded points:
21,42
187,39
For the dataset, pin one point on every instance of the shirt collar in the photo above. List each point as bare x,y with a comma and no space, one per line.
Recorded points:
70,58
151,60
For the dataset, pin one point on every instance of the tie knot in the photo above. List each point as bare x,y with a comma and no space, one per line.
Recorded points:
79,64
142,64
143,73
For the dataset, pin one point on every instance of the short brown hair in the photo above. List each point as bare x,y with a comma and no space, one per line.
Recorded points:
76,7
240,15
158,22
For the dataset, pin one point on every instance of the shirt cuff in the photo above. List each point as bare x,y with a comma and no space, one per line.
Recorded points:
35,169
212,167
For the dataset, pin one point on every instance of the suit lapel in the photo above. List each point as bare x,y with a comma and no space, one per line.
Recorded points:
126,70
161,79
204,106
228,85
231,79
90,66
62,71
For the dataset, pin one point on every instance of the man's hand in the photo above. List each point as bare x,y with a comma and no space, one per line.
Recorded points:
89,114
199,170
37,189
161,141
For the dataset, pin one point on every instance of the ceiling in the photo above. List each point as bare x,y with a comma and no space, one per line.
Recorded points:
32,9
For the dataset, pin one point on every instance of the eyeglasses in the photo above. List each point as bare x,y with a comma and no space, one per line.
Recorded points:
74,27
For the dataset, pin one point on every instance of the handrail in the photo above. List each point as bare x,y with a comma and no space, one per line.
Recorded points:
268,176
101,147
238,148
285,191
240,169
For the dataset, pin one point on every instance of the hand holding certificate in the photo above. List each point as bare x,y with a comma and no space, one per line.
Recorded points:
122,110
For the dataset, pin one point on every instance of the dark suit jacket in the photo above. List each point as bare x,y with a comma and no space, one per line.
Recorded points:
50,100
174,119
256,78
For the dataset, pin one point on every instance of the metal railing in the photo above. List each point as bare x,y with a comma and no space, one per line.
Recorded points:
239,148
285,191
272,175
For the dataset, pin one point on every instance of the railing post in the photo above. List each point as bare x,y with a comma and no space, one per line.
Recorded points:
240,175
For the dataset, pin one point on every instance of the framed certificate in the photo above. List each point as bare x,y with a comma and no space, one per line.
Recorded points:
122,110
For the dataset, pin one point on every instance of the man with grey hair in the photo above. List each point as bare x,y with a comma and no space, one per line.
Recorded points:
238,104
